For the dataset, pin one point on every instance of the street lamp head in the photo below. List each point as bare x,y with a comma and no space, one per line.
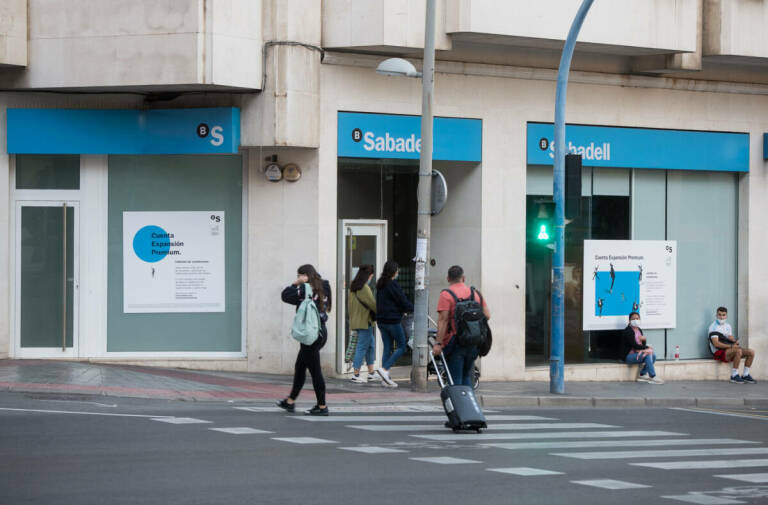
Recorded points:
397,67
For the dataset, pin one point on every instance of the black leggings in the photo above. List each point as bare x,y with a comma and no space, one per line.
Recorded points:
309,357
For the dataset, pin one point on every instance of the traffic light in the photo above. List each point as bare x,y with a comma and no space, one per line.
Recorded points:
542,226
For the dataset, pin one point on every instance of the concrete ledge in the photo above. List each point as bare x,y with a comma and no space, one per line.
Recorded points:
696,369
619,402
756,402
670,402
720,402
565,401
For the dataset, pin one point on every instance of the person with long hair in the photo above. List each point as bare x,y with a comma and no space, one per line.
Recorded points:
362,314
391,304
309,355
637,350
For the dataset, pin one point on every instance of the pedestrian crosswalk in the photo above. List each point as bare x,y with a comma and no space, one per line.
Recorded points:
538,446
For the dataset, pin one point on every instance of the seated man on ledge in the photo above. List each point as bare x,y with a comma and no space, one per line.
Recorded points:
725,347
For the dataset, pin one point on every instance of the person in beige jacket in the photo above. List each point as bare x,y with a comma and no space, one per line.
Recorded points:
362,314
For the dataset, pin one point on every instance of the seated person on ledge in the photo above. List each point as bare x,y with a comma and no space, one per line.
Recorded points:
725,347
636,350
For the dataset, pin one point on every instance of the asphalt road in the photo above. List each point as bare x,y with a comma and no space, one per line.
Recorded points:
77,450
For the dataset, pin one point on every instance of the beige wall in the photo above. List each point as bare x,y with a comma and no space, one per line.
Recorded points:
13,32
114,43
736,28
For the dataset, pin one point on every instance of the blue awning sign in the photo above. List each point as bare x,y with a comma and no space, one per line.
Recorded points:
368,135
607,146
124,131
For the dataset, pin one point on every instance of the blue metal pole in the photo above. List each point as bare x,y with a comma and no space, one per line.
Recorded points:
557,356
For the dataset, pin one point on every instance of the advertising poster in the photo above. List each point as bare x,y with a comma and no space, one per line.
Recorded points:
173,262
622,276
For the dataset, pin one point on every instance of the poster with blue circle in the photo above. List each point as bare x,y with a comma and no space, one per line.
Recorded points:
624,276
173,261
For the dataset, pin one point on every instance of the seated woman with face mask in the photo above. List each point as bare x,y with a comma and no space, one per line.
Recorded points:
636,350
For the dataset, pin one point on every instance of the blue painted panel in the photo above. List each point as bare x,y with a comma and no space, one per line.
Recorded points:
605,146
364,135
124,131
765,146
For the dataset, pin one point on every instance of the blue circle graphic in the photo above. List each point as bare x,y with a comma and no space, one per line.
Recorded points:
151,244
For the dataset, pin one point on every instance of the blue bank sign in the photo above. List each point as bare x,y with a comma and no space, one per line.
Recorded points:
124,131
364,135
605,146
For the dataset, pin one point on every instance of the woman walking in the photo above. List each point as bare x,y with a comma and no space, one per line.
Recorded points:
309,355
362,314
391,304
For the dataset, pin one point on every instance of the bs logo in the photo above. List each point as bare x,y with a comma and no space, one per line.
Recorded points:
217,137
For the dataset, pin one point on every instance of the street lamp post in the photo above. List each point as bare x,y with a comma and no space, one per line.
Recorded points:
557,345
398,66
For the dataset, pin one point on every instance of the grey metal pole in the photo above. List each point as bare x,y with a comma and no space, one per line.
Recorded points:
423,225
557,356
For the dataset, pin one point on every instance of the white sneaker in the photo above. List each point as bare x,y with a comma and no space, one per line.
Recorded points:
357,379
643,378
385,377
655,380
390,386
373,377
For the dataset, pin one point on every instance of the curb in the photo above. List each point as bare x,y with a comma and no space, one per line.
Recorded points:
500,401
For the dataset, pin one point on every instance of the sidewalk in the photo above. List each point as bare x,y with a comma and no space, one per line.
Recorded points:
69,377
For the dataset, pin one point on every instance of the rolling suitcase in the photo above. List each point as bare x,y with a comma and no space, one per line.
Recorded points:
460,403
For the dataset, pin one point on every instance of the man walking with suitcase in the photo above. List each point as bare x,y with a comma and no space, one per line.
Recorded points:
460,350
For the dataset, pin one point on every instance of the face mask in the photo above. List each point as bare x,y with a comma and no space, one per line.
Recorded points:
721,321
635,323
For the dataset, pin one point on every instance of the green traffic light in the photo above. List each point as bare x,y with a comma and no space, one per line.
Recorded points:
543,235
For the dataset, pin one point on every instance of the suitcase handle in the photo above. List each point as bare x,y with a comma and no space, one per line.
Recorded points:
445,364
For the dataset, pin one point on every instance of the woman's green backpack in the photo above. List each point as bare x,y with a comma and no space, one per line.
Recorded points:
306,322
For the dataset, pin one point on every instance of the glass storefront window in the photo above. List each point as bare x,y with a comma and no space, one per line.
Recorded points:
697,209
47,171
177,184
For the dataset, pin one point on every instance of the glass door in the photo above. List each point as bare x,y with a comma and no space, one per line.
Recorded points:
46,279
361,242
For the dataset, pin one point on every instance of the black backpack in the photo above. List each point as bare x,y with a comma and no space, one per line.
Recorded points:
469,320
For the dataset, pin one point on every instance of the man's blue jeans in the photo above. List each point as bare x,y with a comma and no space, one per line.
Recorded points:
391,333
461,362
648,360
366,348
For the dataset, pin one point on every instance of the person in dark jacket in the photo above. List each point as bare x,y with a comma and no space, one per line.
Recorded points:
636,350
309,355
391,304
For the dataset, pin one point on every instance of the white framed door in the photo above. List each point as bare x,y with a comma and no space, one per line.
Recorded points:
47,279
360,242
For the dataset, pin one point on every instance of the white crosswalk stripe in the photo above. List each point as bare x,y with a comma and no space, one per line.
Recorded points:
524,471
180,420
702,499
615,443
532,435
673,453
446,460
370,449
240,430
304,440
609,484
405,418
755,478
360,409
697,465
495,427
